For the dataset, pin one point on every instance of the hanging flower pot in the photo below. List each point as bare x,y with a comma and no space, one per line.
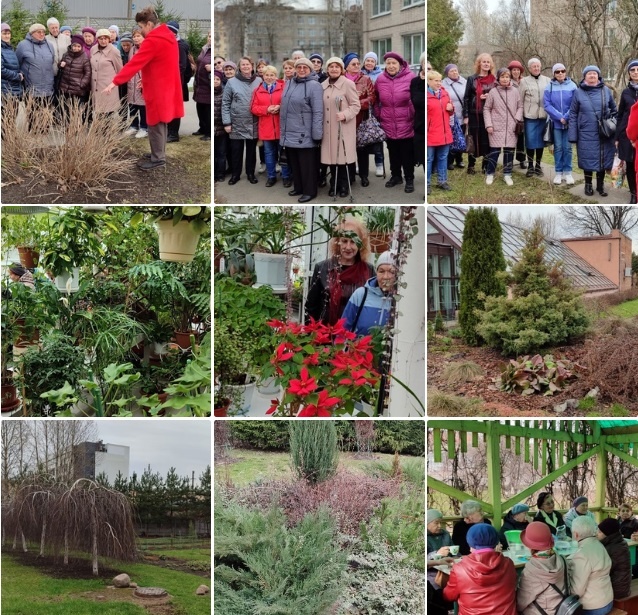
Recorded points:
271,271
178,242
380,242
28,257
183,339
222,409
68,281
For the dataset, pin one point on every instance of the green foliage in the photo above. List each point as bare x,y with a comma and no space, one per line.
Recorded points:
52,8
20,19
588,403
262,566
163,13
439,327
544,309
380,219
313,449
19,231
264,435
481,261
445,31
536,375
634,263
194,37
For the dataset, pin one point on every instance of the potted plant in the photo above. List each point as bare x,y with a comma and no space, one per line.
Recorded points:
380,224
178,229
24,233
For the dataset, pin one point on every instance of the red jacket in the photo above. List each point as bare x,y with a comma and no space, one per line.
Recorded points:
439,131
483,583
268,122
632,131
158,59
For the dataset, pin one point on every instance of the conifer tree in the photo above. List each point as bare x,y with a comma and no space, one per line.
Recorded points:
481,260
313,449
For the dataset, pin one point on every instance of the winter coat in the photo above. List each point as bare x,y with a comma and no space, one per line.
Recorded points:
476,125
456,90
629,526
373,74
60,44
88,49
589,104
75,79
134,94
502,109
367,97
184,66
628,99
217,112
571,514
483,583
301,112
435,542
11,82
589,571
534,584
557,100
202,83
269,128
106,62
531,90
559,521
375,311
417,96
393,98
236,106
632,132
333,144
509,523
459,535
620,574
36,64
158,61
439,131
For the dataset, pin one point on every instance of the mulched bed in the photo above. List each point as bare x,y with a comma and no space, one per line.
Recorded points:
53,566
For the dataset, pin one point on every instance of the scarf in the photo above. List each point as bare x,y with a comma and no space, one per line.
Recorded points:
553,520
352,76
269,88
436,93
342,282
544,554
481,83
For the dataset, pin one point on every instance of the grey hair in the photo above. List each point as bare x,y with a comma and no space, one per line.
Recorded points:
532,60
584,526
301,51
469,507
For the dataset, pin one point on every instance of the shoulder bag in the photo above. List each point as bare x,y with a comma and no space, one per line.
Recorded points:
570,604
459,143
519,124
606,125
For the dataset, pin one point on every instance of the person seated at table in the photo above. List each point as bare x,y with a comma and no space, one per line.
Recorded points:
439,542
580,508
484,582
589,569
618,551
543,569
547,514
515,519
472,513
628,523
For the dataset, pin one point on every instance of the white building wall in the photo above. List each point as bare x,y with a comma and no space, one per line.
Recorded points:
115,460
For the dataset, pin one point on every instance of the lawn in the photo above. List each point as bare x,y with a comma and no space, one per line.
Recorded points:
28,590
627,309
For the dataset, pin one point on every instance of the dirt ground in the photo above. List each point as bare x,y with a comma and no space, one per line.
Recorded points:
175,564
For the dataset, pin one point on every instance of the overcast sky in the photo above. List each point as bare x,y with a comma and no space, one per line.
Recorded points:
184,444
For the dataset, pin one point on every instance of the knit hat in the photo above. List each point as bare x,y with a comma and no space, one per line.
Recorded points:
500,71
558,66
387,258
17,269
36,26
578,501
631,64
516,64
306,62
66,29
88,29
609,526
395,56
52,21
590,68
537,536
372,55
333,60
126,37
433,515
219,74
102,32
229,63
173,26
349,57
541,498
5,26
482,536
316,56
77,39
448,68
114,27
519,508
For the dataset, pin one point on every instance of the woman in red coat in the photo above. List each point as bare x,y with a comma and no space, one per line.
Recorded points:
632,133
265,104
158,59
440,109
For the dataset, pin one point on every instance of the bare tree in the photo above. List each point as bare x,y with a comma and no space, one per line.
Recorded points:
598,219
548,223
477,25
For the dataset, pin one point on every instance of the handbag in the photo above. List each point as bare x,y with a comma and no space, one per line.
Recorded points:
459,144
519,124
283,156
548,133
370,132
606,125
471,147
570,604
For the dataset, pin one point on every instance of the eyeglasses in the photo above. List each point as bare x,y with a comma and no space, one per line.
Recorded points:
557,72
635,68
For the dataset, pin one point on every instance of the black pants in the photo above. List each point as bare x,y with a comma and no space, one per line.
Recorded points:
237,153
508,159
539,155
520,148
401,156
454,157
173,127
203,114
304,162
363,159
630,170
600,178
341,174
221,146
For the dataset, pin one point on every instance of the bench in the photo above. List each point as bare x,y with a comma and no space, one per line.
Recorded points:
629,604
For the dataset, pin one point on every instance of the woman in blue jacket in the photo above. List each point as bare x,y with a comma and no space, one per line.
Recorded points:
557,101
591,103
12,78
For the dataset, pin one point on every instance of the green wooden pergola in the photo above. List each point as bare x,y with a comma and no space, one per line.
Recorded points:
561,445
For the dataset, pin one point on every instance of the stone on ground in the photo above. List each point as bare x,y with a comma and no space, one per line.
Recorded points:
122,580
202,590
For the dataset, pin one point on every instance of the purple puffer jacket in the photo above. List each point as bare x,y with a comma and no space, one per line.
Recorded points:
393,96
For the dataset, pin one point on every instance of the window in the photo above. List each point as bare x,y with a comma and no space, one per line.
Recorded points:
413,47
380,7
311,33
443,282
381,47
407,3
311,21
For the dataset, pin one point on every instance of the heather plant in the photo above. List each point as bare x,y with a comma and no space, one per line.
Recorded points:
313,450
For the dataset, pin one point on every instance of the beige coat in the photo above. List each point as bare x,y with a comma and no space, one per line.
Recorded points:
532,91
105,64
534,585
60,46
350,105
134,94
589,574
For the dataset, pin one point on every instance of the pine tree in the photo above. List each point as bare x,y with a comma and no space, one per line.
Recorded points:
481,261
313,449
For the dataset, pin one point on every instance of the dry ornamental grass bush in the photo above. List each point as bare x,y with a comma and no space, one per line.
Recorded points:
466,371
63,147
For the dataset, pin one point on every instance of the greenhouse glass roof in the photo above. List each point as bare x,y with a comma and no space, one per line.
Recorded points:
451,220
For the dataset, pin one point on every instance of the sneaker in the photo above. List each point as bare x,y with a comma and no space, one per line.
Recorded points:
379,172
508,180
262,168
558,179
278,168
444,186
569,179
141,133
489,179
130,132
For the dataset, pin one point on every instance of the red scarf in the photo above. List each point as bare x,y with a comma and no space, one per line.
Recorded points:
342,283
482,82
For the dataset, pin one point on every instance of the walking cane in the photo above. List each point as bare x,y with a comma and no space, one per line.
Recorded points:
338,104
343,143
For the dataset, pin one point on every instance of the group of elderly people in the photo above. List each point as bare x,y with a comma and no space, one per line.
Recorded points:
485,582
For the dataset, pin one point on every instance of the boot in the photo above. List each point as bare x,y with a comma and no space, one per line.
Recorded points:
632,200
538,170
589,191
600,184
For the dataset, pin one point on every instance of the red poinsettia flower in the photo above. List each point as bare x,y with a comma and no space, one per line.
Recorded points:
312,359
322,407
303,386
273,407
283,352
277,324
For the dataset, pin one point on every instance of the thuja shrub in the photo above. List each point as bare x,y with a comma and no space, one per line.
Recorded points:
263,435
313,450
264,566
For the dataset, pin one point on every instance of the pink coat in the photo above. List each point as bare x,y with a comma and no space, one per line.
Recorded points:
105,64
393,95
502,107
332,149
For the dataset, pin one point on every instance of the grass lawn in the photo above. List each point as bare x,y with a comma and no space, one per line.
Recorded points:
27,590
626,310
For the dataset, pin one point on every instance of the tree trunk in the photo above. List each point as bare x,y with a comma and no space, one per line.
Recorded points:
15,539
42,537
24,543
66,547
94,547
